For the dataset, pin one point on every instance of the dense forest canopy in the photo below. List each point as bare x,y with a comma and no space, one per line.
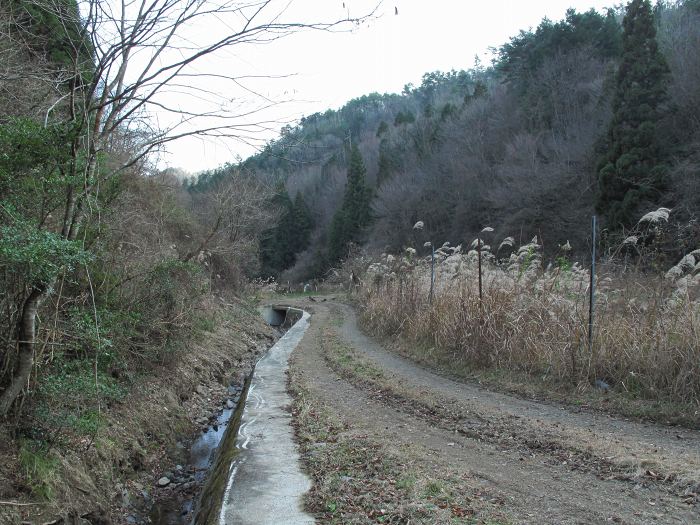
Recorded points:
521,145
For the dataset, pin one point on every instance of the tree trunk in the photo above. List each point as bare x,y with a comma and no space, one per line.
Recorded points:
26,334
26,330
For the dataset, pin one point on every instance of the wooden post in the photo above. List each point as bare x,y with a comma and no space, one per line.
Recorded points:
591,299
478,251
432,271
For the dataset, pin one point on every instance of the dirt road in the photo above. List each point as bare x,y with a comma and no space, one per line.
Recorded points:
535,462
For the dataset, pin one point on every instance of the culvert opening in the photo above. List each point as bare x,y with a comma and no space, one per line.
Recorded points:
281,316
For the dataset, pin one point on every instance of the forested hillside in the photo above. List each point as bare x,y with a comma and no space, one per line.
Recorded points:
532,144
112,272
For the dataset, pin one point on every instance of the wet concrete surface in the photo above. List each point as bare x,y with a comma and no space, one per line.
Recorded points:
266,484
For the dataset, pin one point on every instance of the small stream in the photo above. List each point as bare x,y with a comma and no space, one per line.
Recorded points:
178,508
202,450
209,462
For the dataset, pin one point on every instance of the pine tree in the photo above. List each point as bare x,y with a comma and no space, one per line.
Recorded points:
303,223
633,169
354,215
337,237
276,243
358,196
404,118
384,167
56,34
280,244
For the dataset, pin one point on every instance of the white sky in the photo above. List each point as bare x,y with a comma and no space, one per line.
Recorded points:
328,69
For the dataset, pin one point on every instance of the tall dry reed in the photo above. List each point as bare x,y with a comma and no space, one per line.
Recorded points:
647,331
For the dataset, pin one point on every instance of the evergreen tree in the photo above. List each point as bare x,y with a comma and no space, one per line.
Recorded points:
480,90
274,243
385,164
633,169
338,236
354,215
404,118
303,223
280,245
55,32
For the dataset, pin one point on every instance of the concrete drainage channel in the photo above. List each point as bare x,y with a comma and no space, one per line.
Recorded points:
256,476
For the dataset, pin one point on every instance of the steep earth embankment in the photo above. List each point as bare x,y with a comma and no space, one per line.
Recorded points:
114,476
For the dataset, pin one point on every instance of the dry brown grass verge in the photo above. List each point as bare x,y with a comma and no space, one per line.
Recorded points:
579,397
646,338
358,480
527,353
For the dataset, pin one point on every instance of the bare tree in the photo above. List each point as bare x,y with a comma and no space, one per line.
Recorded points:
232,213
125,57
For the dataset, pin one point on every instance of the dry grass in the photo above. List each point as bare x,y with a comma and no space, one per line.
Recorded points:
360,479
647,330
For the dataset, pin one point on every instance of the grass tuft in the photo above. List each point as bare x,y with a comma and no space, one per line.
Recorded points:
39,468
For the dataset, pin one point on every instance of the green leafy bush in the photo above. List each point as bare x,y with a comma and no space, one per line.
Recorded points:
75,382
71,395
36,255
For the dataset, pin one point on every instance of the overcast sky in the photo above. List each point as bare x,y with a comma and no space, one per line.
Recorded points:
325,70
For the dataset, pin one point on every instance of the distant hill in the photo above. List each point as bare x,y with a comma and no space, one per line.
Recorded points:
514,145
